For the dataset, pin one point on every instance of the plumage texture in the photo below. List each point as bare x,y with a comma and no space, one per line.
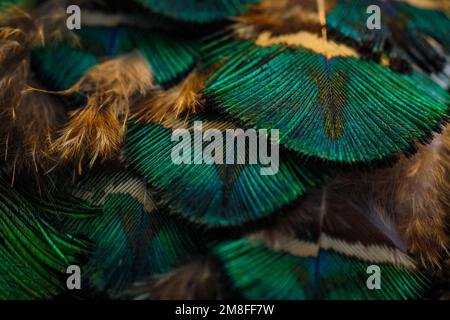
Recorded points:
97,130
258,271
60,67
331,121
193,281
171,57
280,17
193,11
404,33
402,208
100,149
133,238
34,253
228,190
430,4
33,123
180,101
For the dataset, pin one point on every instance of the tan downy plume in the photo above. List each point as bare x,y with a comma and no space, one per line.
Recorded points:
193,281
415,194
164,106
20,32
97,130
309,41
43,24
280,16
423,199
30,134
14,65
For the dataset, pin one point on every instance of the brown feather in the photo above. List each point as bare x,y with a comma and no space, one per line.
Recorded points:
28,136
411,200
97,130
341,218
40,25
442,5
193,281
183,99
20,32
423,199
280,16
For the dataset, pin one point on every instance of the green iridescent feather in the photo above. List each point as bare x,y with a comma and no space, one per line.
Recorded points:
214,194
257,272
133,239
198,11
60,67
35,254
339,109
403,33
170,57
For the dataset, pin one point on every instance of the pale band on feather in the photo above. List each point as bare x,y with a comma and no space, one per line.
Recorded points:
369,253
134,187
309,41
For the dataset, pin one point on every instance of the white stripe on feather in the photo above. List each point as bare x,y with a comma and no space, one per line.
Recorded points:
368,253
134,187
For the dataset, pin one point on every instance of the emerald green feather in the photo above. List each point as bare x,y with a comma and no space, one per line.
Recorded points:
35,255
133,239
258,272
171,57
198,11
340,109
214,194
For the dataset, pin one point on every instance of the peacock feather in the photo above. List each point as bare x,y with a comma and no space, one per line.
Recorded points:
198,12
404,33
127,149
260,272
319,106
35,254
133,238
231,194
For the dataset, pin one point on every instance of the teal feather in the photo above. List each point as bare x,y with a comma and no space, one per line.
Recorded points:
134,239
198,11
216,195
402,35
340,109
105,41
170,57
257,272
